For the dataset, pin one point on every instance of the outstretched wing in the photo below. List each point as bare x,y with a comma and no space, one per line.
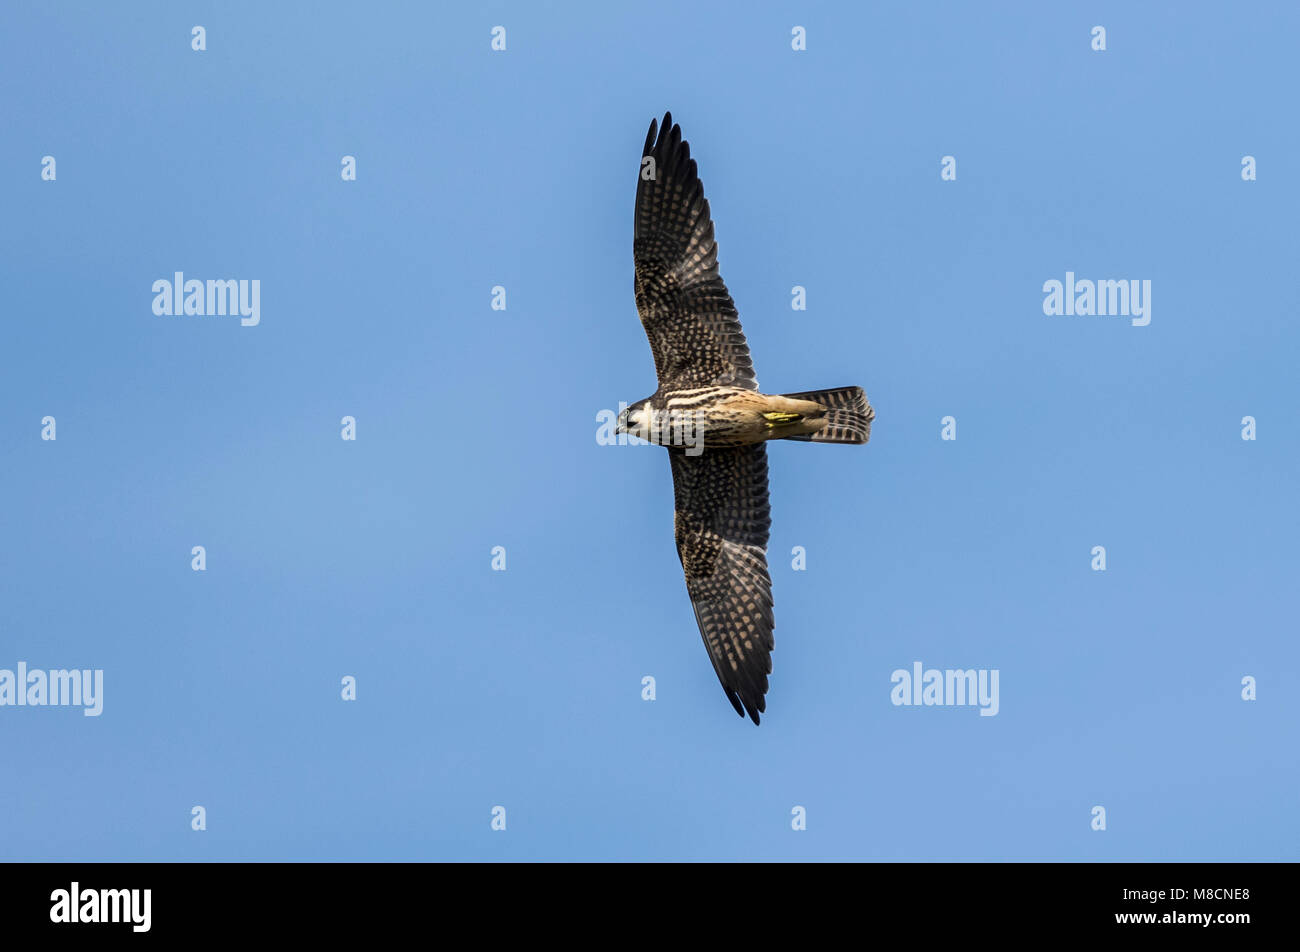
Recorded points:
721,527
688,315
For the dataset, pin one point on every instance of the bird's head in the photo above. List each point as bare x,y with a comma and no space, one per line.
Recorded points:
632,420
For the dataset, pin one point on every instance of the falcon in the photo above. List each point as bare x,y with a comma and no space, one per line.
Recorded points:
709,414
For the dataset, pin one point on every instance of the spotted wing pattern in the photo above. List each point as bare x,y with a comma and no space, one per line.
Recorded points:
687,313
721,526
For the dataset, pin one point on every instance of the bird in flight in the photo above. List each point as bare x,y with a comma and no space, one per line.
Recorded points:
709,414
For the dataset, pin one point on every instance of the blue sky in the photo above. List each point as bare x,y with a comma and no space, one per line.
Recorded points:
476,428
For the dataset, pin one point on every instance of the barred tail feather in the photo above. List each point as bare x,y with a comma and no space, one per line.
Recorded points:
848,415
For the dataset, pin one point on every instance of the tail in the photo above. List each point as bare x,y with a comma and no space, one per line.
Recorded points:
848,415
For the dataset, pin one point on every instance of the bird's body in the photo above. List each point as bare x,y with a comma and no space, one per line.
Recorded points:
710,415
722,416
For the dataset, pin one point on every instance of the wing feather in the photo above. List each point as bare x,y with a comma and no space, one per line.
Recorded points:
687,312
721,526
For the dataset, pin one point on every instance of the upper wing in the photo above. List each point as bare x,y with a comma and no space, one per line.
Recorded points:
688,315
721,527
